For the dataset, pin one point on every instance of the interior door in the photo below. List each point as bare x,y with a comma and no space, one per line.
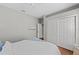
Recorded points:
66,32
52,31
61,31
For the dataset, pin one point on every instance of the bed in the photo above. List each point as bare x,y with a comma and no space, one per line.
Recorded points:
30,47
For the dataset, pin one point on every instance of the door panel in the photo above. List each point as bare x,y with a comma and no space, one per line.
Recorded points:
61,31
52,31
66,32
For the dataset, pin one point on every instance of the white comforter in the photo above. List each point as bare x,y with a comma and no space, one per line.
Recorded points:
28,47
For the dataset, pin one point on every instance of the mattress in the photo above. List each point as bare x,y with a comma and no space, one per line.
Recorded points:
29,47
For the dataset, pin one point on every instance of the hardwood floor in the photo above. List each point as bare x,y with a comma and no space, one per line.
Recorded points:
65,51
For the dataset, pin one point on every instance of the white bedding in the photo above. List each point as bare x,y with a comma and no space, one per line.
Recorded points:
28,47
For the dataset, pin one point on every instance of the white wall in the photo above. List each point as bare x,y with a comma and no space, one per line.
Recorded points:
16,25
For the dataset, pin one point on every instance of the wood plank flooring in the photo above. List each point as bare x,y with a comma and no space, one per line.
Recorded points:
65,51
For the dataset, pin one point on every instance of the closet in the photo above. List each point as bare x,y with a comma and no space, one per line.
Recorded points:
62,31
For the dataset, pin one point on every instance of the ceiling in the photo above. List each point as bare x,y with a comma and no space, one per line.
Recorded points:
38,9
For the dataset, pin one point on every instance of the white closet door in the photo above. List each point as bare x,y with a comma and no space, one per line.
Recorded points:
52,31
61,31
66,32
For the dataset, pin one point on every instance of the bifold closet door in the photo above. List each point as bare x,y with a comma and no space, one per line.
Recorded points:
61,31
66,32
52,31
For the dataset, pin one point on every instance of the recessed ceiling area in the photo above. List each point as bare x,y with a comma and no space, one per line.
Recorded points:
38,9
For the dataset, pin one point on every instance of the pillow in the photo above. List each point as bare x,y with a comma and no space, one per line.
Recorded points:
1,45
